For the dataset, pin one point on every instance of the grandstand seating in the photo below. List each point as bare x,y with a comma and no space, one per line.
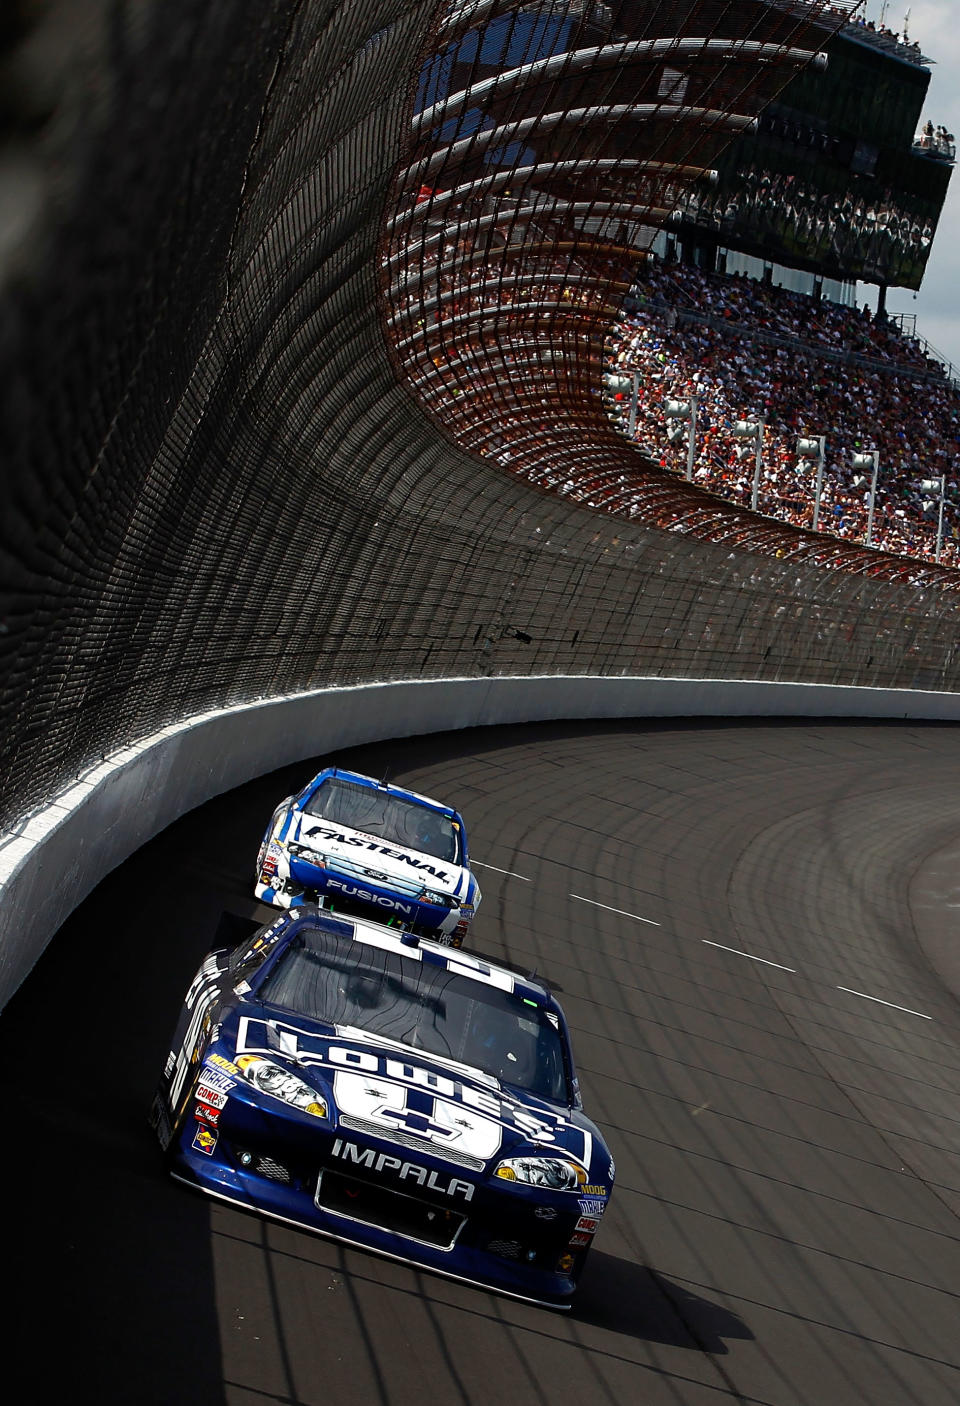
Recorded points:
804,367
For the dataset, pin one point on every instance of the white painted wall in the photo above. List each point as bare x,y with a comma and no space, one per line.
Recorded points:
51,862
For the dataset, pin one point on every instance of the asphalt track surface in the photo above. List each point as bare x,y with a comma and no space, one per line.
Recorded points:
753,927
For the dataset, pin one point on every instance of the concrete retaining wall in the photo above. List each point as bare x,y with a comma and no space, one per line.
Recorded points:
51,862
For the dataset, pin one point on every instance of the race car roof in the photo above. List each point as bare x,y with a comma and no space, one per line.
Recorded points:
361,780
417,949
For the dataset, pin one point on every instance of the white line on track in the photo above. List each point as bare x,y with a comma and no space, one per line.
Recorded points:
622,911
892,1004
750,955
475,863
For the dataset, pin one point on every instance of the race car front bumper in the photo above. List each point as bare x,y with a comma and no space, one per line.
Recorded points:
493,1241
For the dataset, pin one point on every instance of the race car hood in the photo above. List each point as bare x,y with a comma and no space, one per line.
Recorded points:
380,1088
409,870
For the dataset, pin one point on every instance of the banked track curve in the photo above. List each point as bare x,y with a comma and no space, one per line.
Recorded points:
751,926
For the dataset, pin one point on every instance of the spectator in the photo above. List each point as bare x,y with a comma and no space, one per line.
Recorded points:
865,396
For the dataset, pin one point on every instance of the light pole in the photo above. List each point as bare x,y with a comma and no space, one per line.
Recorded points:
685,410
634,398
809,447
753,429
615,382
869,459
933,485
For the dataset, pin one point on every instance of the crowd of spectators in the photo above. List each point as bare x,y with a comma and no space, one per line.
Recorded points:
806,368
880,238
936,142
867,29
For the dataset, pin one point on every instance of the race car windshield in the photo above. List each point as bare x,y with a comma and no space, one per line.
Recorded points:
423,1005
377,812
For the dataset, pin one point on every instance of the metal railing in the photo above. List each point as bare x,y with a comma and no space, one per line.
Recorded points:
816,350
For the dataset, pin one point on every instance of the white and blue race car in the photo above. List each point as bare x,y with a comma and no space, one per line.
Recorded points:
363,1083
359,846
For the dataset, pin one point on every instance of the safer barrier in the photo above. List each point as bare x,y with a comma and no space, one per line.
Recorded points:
49,864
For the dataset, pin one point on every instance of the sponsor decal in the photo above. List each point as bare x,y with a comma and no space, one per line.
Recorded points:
594,1190
203,993
221,1063
216,1079
213,1098
589,1223
545,1213
207,1115
205,981
265,1037
368,896
205,1140
591,1206
357,842
405,1171
579,1238
613,1169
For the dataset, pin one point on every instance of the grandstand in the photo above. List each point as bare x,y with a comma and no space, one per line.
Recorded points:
513,253
762,354
302,383
838,182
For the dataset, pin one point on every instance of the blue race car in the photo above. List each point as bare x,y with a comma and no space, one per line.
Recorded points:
357,845
393,1094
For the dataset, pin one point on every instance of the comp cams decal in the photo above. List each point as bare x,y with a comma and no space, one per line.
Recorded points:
213,1098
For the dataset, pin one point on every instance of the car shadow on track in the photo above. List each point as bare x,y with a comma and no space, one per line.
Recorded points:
629,1298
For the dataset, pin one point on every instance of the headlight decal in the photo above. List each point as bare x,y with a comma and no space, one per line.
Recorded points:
551,1173
438,899
309,856
279,1082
